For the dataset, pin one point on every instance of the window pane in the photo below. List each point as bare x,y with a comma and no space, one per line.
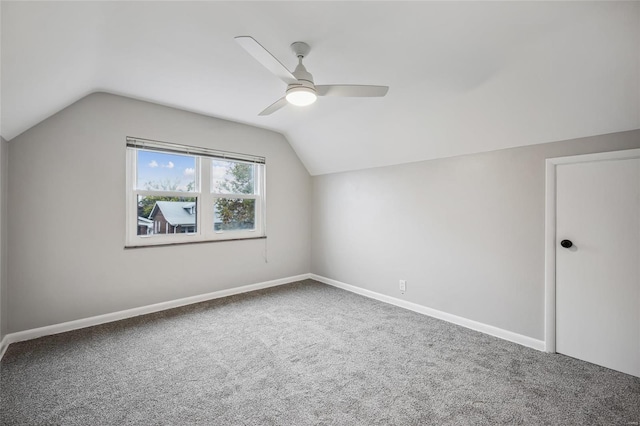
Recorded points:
167,215
231,177
234,214
159,171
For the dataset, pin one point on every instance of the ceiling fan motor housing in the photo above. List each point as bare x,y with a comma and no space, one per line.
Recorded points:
302,49
304,77
303,92
302,74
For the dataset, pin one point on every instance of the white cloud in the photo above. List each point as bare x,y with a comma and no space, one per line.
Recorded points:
218,172
169,165
189,171
153,163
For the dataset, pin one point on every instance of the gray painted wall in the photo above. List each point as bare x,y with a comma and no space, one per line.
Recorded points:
4,146
66,207
467,232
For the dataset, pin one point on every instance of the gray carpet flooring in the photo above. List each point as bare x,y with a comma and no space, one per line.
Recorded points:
301,354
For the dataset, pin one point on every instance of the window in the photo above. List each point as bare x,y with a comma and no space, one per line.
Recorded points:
180,194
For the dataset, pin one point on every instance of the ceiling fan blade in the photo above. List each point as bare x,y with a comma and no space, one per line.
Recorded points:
263,56
351,90
274,106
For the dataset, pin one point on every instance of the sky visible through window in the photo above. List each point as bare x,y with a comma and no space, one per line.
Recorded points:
163,171
230,177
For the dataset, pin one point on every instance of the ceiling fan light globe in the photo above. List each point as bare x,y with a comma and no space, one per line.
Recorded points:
301,96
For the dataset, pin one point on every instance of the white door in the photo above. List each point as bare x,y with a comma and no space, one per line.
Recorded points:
598,277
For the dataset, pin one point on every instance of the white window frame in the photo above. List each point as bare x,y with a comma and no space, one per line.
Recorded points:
203,192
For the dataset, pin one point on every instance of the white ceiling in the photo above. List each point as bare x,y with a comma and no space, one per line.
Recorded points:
464,77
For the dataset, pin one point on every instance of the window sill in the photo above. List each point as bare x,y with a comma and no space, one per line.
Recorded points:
180,243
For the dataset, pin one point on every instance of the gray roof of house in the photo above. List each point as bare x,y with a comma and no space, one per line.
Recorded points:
175,212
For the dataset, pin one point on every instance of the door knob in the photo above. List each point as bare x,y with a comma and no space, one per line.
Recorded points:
566,243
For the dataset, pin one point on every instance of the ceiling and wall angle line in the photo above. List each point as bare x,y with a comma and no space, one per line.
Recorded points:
464,77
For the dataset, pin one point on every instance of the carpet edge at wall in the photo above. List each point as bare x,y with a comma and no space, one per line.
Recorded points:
424,310
34,333
129,313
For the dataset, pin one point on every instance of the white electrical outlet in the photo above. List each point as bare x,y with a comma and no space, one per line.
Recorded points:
403,285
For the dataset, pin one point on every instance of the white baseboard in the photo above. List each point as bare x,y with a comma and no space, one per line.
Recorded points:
134,312
4,344
474,325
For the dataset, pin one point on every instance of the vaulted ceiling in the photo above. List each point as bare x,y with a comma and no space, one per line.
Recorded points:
464,77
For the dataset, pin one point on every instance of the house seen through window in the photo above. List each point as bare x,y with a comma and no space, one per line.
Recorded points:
186,194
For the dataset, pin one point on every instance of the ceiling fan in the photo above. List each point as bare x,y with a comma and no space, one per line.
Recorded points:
301,91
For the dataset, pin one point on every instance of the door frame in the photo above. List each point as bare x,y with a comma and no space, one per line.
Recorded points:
550,232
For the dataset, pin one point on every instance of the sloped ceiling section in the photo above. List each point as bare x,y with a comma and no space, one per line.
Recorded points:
464,77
